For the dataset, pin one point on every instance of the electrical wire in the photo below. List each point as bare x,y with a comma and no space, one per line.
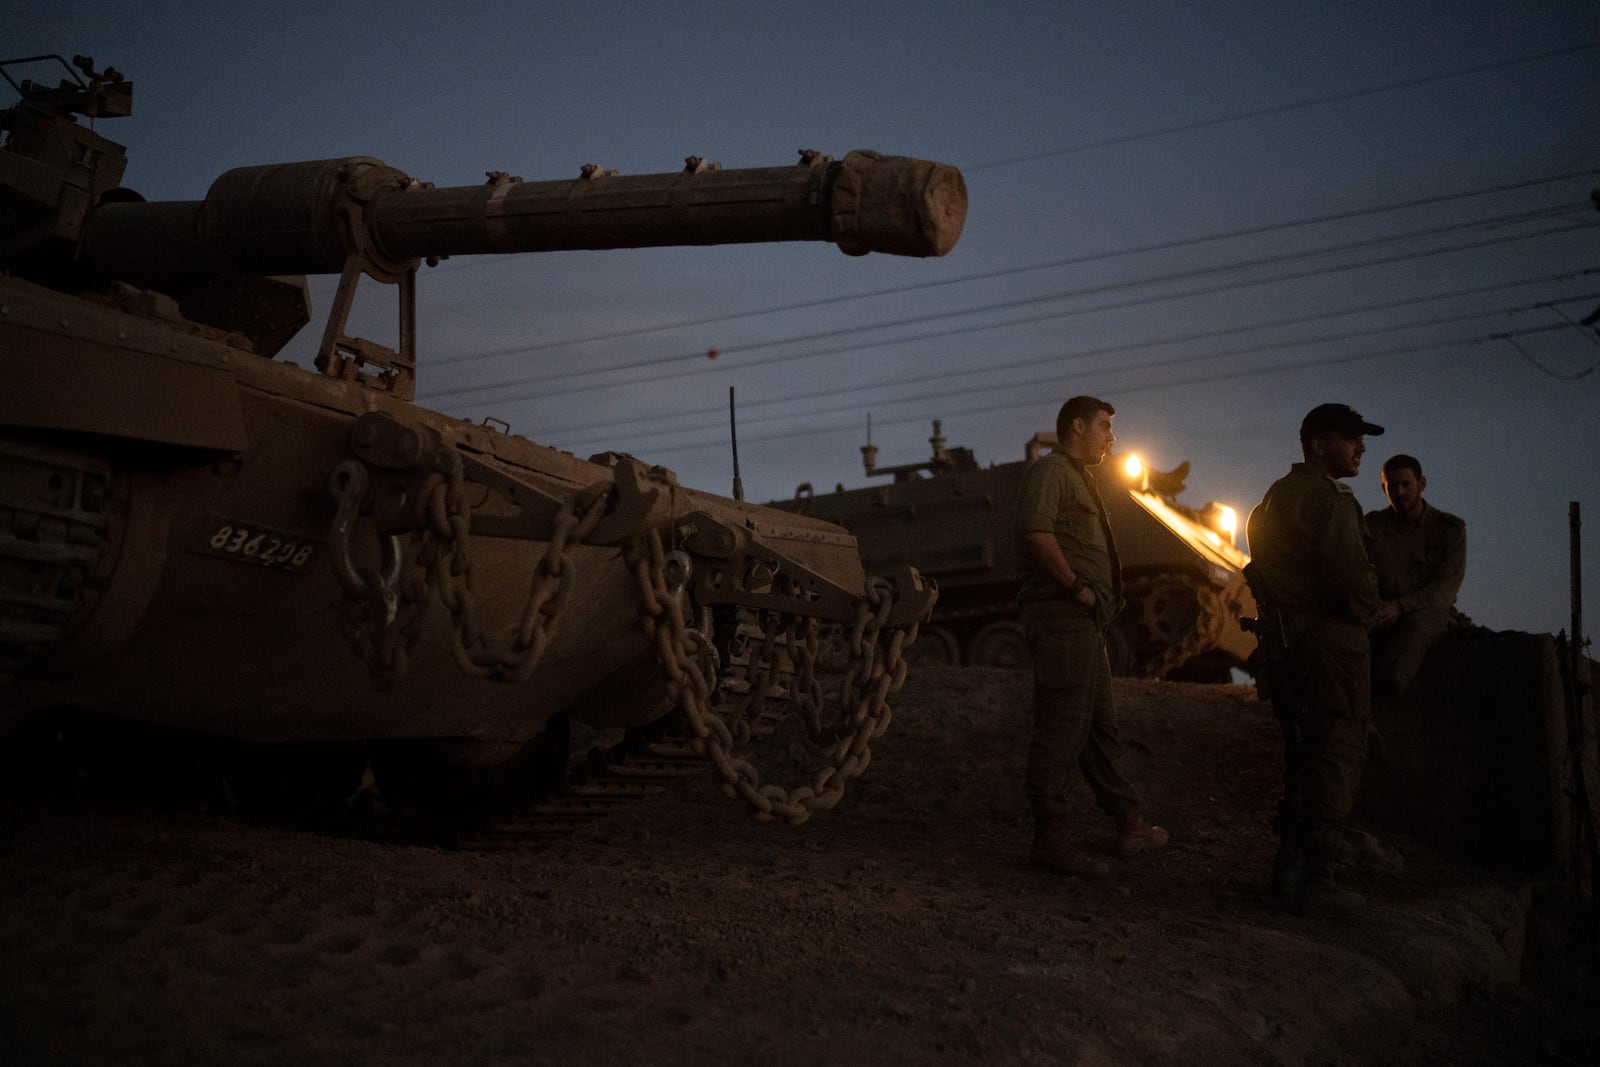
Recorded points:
1167,382
989,368
698,364
1279,109
1090,257
1593,337
697,357
1276,345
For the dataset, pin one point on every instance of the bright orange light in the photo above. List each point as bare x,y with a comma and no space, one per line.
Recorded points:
1133,467
1221,518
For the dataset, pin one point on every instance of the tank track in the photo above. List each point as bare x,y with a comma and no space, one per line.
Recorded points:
120,763
529,801
643,765
88,757
596,788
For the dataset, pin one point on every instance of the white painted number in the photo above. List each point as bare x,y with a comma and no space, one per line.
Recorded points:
270,549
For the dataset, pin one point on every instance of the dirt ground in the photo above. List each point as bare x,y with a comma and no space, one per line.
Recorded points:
903,927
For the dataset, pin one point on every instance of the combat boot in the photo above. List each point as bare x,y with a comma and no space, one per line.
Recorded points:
1320,895
1135,835
1367,852
1053,851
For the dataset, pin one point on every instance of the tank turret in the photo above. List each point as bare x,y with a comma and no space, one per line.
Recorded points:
67,215
310,568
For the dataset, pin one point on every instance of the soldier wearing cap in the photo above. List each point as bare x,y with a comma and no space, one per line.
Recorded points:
1308,542
1420,553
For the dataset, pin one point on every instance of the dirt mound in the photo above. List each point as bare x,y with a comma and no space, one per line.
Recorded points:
904,927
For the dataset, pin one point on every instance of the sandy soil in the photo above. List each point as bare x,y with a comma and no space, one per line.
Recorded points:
904,927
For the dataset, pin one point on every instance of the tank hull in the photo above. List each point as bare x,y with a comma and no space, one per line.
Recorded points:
198,536
211,602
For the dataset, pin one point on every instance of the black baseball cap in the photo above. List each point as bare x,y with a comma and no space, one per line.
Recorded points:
1341,419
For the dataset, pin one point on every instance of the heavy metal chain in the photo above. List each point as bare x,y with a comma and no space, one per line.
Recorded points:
876,670
382,621
384,611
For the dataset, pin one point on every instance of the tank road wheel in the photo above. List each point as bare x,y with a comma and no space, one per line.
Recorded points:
1000,644
935,647
1164,623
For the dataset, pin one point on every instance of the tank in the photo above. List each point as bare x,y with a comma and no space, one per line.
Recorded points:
328,579
1183,578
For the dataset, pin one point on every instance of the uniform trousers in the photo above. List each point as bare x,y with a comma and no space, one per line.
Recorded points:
1331,667
1074,719
1398,651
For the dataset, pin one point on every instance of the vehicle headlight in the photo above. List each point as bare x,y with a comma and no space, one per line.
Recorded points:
1221,518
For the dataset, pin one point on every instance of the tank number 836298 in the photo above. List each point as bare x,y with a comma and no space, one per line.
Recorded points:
253,544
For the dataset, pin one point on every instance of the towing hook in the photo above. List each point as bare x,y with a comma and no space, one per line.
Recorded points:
676,570
348,481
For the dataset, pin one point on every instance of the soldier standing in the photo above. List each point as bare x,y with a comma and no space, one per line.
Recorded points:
1308,545
1420,554
1071,590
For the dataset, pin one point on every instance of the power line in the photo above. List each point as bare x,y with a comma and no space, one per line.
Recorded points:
699,367
1540,367
1191,358
944,395
1090,257
1578,326
696,358
1202,379
1250,372
637,425
1278,109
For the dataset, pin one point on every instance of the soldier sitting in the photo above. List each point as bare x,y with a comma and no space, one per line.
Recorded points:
1420,554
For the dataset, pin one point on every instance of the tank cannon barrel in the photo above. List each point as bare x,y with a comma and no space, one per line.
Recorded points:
181,510
309,218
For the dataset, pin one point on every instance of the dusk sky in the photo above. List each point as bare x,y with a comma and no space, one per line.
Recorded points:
1215,216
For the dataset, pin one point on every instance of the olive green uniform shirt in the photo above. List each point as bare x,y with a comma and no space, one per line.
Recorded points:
1420,564
1308,539
1058,496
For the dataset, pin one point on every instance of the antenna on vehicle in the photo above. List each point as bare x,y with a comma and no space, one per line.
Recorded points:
869,452
733,433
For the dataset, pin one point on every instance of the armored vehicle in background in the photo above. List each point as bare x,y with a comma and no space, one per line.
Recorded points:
951,519
325,578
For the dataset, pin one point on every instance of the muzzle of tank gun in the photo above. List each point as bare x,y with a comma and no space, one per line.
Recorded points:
310,218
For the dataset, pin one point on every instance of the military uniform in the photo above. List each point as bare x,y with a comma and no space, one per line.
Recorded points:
1074,722
1307,540
1420,566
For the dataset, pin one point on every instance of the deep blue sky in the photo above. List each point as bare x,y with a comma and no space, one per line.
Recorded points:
1024,97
